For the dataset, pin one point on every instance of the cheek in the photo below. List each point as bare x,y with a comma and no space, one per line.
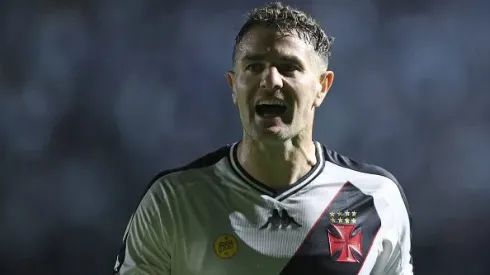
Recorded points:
306,95
315,89
243,101
246,90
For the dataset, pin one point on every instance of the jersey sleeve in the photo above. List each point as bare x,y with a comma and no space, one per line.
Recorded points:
145,248
399,261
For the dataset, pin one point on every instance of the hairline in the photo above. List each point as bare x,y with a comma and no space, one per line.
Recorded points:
319,58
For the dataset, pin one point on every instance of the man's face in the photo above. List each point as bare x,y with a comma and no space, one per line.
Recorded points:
277,82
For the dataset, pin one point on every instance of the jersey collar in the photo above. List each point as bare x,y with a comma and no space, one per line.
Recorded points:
277,194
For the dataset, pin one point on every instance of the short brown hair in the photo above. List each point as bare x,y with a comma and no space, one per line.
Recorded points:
287,20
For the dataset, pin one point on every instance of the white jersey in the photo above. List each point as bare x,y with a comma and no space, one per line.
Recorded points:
211,217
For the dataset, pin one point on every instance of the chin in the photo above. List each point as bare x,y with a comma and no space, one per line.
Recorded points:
275,133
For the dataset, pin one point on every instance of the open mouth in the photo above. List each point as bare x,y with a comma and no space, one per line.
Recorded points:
270,108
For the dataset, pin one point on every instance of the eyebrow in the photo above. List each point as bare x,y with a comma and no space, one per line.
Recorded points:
260,57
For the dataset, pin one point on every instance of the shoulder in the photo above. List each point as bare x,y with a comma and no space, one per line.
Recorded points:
186,172
362,167
202,162
386,180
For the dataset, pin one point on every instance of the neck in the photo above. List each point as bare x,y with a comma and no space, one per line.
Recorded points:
277,164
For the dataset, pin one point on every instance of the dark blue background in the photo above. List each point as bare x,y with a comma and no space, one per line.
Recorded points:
96,97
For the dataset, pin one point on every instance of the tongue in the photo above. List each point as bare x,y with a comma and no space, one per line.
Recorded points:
270,110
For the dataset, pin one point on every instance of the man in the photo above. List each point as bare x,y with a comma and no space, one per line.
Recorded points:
277,202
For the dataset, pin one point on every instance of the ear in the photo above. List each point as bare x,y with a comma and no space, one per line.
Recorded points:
326,81
230,78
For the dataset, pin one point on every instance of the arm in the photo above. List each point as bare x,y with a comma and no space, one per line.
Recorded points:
145,247
400,262
400,259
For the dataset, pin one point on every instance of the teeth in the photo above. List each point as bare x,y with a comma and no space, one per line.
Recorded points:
271,102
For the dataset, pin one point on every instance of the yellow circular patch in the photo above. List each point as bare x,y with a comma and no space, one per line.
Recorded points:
225,246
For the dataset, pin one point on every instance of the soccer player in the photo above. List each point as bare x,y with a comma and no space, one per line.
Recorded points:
277,201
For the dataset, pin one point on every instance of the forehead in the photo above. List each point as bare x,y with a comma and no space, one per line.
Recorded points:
270,42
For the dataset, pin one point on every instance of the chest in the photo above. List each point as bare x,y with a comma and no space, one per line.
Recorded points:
326,231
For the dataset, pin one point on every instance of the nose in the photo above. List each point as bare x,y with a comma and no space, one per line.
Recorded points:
271,79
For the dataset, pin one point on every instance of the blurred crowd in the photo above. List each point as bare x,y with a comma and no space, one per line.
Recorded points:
96,97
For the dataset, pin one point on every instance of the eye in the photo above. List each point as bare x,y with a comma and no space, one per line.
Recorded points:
288,68
255,67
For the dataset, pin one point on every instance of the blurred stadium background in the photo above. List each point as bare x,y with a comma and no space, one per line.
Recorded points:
98,96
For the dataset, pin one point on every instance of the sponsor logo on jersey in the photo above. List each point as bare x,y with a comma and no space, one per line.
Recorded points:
280,220
344,237
225,246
